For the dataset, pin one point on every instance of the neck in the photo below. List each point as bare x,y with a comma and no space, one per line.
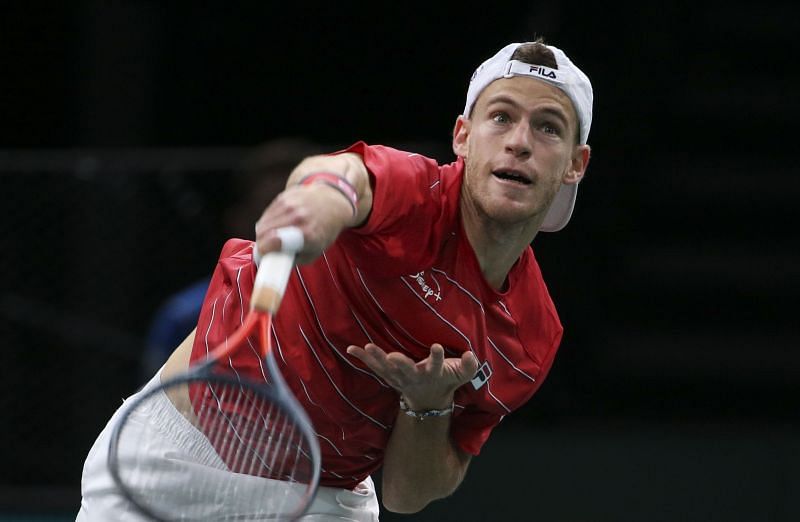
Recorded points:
497,246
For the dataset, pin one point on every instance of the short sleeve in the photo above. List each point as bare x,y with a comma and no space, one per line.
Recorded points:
414,205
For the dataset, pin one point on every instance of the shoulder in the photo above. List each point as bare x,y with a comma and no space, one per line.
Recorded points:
382,160
411,191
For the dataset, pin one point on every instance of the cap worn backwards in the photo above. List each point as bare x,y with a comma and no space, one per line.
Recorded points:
568,78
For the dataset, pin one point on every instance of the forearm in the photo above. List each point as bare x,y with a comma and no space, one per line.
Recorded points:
321,206
350,167
421,463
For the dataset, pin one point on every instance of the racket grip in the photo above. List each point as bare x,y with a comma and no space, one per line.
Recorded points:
271,280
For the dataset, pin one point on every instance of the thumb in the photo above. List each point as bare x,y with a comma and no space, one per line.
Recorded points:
266,241
469,365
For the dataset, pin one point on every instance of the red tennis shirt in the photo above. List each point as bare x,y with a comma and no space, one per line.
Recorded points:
406,279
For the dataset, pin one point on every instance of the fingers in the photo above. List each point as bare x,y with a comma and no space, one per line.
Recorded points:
371,355
271,239
465,370
307,208
394,368
436,358
434,372
286,211
266,245
375,358
267,238
469,365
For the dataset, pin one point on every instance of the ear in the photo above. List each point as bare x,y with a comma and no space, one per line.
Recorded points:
578,164
460,136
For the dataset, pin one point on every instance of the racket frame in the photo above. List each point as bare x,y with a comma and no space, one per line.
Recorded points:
277,394
269,286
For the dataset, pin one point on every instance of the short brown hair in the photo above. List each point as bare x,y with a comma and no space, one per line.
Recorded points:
535,53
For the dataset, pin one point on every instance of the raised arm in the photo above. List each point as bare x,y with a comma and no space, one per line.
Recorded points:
323,195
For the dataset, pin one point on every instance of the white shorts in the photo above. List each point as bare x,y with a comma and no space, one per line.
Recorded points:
102,501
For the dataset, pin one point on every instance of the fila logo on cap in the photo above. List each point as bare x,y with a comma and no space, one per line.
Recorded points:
543,71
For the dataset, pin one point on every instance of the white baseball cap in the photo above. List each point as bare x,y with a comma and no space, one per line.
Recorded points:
566,77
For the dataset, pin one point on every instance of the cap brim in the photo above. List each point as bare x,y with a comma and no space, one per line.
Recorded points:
561,209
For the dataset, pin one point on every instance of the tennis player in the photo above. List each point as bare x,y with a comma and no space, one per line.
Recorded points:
418,316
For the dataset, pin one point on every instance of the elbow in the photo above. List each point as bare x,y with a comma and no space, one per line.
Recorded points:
403,504
410,491
409,500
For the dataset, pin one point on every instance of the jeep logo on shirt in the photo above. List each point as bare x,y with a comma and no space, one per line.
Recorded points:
427,291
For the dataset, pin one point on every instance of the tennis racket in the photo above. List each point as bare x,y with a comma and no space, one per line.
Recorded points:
245,450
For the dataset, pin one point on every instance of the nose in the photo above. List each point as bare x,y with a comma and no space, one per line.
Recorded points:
518,140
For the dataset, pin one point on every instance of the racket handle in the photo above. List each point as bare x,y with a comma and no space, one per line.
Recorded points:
271,280
274,271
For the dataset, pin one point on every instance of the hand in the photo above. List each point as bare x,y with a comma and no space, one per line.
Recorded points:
425,385
318,210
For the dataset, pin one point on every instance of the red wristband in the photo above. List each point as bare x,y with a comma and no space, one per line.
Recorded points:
335,181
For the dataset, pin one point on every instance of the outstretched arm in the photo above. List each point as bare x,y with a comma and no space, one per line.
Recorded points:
318,208
421,462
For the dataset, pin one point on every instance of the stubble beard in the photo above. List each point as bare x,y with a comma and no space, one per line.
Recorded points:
492,214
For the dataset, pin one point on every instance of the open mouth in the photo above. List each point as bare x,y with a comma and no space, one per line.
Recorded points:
511,176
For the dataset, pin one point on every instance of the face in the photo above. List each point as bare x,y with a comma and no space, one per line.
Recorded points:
518,147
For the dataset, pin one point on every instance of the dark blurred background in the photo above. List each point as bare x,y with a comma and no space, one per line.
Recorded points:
125,125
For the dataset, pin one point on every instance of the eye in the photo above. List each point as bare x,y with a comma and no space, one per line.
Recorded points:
550,128
500,117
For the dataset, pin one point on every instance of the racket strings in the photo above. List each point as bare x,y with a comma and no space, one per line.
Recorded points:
256,438
237,452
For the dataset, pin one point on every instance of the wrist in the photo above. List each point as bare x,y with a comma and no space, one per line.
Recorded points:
337,182
420,413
